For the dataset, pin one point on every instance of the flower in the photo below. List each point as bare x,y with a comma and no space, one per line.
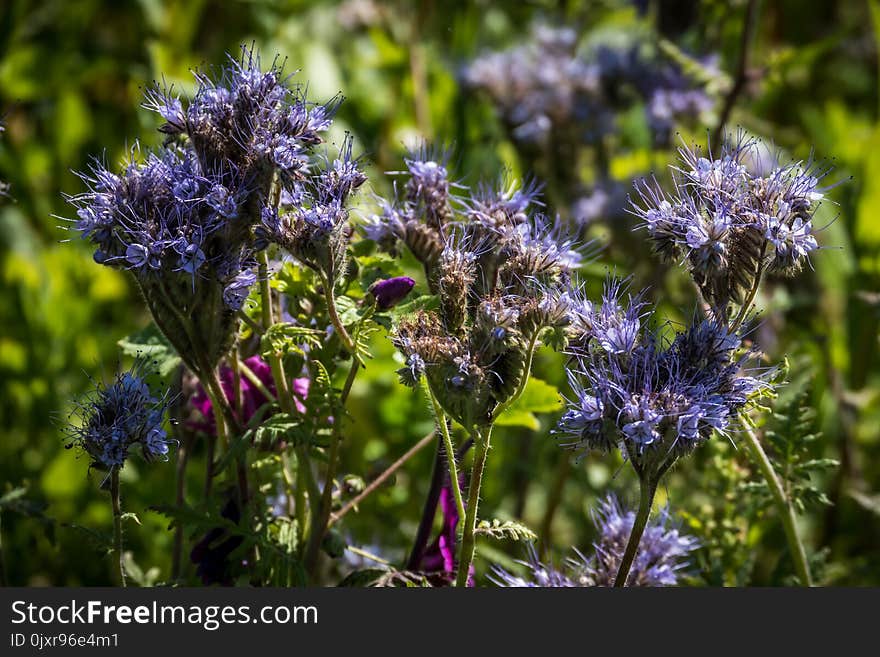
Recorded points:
438,560
115,418
655,399
661,557
252,398
662,554
729,222
500,270
187,219
391,291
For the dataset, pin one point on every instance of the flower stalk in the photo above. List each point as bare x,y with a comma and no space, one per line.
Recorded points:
482,440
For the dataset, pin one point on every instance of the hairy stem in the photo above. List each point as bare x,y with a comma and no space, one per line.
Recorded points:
783,506
117,523
321,519
429,510
647,490
179,500
443,426
530,354
468,546
378,481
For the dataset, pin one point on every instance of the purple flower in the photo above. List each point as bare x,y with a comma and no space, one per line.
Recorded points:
439,559
656,399
115,418
391,291
661,557
252,399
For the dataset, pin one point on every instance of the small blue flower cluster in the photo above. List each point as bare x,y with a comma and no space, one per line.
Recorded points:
661,557
655,399
115,418
730,223
189,209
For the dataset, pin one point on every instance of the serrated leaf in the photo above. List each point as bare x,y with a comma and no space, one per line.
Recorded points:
501,529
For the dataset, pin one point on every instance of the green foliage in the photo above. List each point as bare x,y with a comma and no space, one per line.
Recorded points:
505,529
793,436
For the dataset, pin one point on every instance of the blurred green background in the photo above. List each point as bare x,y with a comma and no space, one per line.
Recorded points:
72,76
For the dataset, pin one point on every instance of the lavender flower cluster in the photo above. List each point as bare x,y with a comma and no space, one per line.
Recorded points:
313,220
185,220
662,555
547,86
654,398
499,269
729,223
116,418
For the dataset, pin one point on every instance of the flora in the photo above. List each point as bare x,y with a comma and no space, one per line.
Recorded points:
661,558
270,293
112,422
657,399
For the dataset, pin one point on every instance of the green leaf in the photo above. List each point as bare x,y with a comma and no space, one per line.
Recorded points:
149,344
538,397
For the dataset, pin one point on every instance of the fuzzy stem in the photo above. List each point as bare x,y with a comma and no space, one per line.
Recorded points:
530,354
335,320
378,481
117,522
747,303
180,500
647,490
443,426
468,546
783,507
320,520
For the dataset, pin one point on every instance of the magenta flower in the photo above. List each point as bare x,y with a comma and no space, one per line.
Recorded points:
251,397
438,561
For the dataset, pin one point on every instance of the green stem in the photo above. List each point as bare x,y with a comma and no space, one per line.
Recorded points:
747,304
443,426
530,354
320,520
468,546
255,381
117,522
783,507
647,490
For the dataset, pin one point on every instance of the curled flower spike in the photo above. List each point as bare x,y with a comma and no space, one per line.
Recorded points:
119,417
188,219
501,273
730,222
661,558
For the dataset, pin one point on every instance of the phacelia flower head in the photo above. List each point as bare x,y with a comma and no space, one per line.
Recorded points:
662,555
313,222
729,221
501,271
186,220
656,399
115,419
